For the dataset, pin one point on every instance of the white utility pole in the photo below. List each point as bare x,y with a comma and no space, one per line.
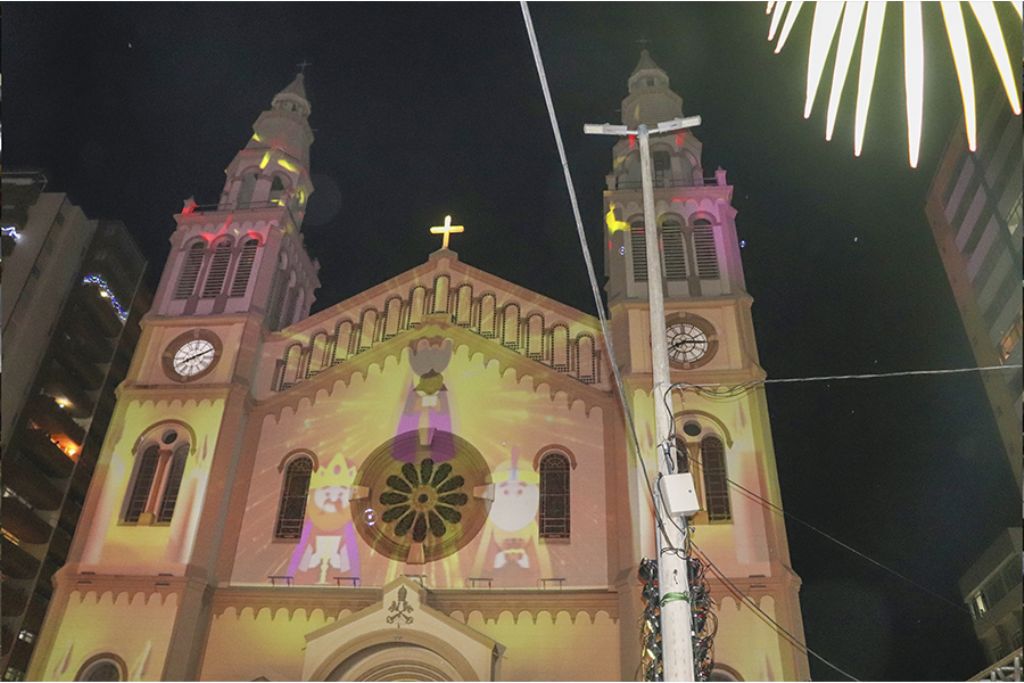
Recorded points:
673,574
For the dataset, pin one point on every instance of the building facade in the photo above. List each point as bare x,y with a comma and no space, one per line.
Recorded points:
432,480
974,208
73,296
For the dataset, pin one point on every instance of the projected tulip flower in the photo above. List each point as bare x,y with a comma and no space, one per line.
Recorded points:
423,499
846,19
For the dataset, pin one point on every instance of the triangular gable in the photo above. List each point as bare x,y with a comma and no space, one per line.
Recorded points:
547,331
438,326
401,618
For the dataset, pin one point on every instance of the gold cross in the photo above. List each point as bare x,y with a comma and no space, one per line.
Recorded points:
447,229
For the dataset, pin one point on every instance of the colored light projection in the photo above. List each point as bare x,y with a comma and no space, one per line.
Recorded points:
426,465
143,548
845,19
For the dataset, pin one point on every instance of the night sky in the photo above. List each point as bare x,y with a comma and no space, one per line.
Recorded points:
427,109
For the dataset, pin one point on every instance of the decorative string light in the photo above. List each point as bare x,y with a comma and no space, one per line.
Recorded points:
11,231
847,18
107,293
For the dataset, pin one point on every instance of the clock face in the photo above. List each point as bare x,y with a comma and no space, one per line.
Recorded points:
687,343
193,357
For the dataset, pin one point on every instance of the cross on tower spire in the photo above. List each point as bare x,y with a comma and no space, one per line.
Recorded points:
302,66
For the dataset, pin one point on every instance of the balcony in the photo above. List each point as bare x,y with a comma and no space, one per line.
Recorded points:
80,371
29,483
12,600
52,419
15,562
69,394
23,523
44,453
80,342
102,315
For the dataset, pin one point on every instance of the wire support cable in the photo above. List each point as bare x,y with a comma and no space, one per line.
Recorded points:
717,390
695,462
594,287
746,599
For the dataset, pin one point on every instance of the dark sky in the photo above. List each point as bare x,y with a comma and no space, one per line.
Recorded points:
426,109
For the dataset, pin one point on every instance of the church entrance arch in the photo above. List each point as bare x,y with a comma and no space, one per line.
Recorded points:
395,662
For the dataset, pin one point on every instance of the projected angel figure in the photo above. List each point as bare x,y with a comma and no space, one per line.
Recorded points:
328,538
426,403
511,539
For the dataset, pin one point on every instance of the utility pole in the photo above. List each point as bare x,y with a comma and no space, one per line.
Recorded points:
673,572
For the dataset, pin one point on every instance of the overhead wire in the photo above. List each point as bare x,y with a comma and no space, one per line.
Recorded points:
743,597
584,245
778,509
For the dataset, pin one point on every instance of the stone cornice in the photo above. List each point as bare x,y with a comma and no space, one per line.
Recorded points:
491,603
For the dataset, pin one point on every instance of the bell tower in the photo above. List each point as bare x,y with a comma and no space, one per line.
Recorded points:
164,493
722,442
246,254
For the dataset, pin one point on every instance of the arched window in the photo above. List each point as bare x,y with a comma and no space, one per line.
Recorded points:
554,496
162,456
636,240
682,456
662,162
244,269
102,668
245,192
144,476
675,254
190,270
292,513
174,476
704,250
218,269
716,485
276,188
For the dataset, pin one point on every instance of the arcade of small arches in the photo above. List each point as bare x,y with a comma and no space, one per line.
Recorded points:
552,344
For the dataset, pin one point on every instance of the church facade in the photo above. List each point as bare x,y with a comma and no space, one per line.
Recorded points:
432,480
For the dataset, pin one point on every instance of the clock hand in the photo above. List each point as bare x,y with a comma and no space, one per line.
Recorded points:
197,355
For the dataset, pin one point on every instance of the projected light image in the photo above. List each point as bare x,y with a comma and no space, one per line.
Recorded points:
443,486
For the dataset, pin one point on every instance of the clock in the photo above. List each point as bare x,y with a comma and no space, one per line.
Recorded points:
192,355
691,342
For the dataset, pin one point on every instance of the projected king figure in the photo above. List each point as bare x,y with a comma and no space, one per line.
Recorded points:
328,538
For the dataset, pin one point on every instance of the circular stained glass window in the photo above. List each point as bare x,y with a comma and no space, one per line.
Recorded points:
420,496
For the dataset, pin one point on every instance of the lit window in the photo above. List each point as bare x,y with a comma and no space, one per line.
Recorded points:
27,636
1010,340
980,604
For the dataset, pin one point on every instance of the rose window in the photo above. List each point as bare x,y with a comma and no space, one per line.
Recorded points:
421,496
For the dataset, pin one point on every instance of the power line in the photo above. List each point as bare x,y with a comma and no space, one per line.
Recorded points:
778,509
591,275
828,378
778,627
